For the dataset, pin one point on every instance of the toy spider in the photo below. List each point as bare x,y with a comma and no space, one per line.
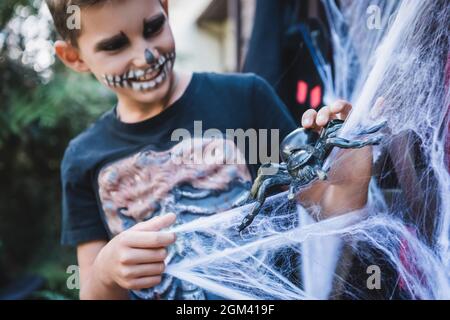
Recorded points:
303,153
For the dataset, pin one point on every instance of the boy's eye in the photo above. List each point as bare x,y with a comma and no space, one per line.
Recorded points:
115,45
154,26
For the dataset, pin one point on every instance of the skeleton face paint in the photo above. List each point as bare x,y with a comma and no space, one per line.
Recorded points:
143,80
149,56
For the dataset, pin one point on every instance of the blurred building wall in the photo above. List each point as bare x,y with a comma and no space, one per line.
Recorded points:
211,35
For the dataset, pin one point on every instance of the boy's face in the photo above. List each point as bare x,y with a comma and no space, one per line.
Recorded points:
115,36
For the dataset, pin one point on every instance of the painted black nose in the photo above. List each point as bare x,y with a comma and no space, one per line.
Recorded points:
149,56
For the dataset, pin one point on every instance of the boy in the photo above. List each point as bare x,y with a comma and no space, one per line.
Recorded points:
120,179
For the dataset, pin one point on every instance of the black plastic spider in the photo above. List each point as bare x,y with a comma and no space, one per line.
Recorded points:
303,153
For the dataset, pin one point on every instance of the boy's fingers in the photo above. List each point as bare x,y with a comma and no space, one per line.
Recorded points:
144,256
317,120
144,283
309,119
150,239
143,270
157,223
341,108
323,117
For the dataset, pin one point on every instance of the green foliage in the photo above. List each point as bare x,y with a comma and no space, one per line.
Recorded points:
69,98
40,124
7,8
54,270
38,117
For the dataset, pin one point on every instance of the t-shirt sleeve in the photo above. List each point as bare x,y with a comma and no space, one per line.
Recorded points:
269,111
81,220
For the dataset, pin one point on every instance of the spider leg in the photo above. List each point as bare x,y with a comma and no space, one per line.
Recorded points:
280,179
331,131
262,176
356,144
292,189
272,168
372,129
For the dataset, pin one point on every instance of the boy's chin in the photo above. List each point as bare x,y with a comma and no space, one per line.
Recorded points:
148,96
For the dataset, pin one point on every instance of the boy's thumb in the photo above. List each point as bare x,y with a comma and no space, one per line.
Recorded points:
157,223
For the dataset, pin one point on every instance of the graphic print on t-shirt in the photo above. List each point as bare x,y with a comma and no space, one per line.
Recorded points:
197,177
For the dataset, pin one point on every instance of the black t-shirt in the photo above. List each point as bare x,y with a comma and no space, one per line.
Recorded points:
115,175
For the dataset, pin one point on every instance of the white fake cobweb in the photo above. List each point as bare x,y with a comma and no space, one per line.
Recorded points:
404,231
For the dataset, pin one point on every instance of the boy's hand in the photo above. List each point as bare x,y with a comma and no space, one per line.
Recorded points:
134,259
348,180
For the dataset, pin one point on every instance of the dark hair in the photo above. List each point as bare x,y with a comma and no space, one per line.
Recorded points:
58,9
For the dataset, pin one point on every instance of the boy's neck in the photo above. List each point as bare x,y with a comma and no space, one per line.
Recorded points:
131,111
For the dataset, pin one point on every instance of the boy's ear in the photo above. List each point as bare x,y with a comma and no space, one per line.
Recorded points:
70,56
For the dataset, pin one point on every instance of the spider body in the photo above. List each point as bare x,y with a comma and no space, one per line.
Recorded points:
303,154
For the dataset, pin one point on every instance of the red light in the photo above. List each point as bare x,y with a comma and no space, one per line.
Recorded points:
302,92
316,97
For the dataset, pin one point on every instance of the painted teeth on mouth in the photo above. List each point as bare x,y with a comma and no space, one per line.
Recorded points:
142,86
159,79
112,80
149,72
123,81
127,80
139,73
115,81
169,65
136,86
118,81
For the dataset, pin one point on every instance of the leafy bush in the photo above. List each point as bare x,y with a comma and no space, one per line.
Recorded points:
40,111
